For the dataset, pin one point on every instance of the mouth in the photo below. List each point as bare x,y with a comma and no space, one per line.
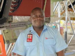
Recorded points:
39,20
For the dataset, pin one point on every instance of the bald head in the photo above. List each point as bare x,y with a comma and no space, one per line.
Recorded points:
37,9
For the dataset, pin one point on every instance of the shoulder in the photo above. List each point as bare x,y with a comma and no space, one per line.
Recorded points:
50,29
26,31
22,36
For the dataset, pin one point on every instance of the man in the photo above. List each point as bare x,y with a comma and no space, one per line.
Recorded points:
39,39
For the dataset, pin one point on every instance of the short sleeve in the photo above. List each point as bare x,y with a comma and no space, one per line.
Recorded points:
19,47
60,42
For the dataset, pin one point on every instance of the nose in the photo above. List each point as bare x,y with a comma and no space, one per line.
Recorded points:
38,17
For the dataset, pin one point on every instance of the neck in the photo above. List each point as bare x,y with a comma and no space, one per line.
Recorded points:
38,28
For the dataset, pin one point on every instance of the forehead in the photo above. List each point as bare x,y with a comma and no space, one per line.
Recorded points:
35,12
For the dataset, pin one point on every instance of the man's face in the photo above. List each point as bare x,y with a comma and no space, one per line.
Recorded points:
37,18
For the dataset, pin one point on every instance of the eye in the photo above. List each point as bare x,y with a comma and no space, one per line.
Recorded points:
35,16
41,16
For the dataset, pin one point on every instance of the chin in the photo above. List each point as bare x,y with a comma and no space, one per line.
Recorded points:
39,26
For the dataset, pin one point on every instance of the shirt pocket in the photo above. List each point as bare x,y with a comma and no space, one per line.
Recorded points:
33,43
49,45
49,42
31,49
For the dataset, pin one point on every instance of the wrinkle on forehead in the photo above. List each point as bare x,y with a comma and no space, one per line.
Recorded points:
38,12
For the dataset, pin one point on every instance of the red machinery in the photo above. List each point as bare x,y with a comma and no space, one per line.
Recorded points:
21,8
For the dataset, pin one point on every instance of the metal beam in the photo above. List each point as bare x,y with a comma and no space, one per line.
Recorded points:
13,25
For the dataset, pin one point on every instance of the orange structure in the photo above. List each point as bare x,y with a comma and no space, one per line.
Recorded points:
2,47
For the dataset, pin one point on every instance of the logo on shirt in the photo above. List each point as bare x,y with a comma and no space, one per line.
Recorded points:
48,38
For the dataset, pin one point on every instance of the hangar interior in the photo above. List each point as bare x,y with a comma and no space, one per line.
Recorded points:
15,17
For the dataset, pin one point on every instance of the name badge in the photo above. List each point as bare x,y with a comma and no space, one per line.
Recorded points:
29,37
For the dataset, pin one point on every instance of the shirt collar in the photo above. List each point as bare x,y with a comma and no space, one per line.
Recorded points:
32,30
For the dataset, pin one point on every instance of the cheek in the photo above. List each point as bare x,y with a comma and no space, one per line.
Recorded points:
33,21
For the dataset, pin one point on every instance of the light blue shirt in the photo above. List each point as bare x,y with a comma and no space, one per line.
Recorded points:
47,44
